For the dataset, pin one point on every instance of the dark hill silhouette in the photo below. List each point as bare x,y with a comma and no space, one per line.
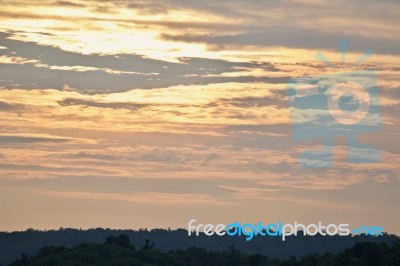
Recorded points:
31,241
117,250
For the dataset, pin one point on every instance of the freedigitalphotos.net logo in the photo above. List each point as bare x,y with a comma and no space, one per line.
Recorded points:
249,231
331,105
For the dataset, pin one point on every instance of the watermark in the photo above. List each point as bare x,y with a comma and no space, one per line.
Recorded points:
249,231
340,104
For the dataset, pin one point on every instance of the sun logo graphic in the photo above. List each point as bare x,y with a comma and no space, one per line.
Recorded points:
342,104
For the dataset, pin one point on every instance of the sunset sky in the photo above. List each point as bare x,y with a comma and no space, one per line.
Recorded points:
132,114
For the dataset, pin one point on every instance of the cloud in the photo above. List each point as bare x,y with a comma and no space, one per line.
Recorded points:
38,138
29,62
68,4
148,8
16,60
112,105
291,38
152,198
10,107
277,195
232,26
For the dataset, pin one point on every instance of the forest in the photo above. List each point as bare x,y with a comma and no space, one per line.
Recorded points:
117,250
167,242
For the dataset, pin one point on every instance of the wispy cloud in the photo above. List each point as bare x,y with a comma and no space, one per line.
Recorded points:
137,197
39,138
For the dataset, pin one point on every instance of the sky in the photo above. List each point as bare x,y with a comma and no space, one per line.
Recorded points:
147,114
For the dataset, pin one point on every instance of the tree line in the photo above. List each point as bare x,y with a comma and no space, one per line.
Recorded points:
118,251
29,242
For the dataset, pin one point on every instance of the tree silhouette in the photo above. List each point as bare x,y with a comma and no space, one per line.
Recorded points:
121,240
148,245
